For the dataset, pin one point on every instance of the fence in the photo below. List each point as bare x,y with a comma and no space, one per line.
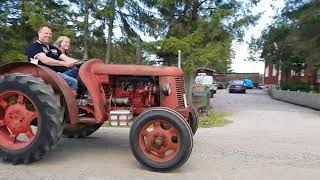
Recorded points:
311,100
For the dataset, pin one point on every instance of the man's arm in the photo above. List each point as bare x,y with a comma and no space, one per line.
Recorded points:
52,62
65,58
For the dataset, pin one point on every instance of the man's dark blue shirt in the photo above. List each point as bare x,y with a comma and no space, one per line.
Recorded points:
51,51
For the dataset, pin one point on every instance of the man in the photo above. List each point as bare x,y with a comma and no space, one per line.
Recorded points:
43,53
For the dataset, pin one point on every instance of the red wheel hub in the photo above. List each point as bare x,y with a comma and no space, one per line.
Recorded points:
160,140
17,116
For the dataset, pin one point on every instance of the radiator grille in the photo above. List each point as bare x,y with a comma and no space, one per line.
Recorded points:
180,91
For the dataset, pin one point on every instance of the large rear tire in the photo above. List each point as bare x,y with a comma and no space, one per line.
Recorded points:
160,139
31,121
80,130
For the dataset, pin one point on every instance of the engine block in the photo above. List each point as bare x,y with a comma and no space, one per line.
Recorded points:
133,91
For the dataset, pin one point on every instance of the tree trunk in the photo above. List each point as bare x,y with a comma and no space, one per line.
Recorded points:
138,50
86,29
110,33
189,83
194,14
23,20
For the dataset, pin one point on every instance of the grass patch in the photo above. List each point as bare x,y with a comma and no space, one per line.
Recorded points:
214,119
317,113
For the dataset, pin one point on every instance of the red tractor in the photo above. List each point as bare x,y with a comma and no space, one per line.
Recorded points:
37,108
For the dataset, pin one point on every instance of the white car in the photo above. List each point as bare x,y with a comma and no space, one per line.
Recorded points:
209,82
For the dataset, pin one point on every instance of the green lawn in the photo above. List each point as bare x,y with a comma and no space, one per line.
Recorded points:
214,119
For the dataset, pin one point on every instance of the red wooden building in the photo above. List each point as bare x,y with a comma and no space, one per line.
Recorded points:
272,78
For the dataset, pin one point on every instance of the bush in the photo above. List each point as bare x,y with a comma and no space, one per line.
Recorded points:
316,88
301,85
284,85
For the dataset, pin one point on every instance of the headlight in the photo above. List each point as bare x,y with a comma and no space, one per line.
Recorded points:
166,90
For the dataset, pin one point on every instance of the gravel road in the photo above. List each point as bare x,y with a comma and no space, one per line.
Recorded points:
268,140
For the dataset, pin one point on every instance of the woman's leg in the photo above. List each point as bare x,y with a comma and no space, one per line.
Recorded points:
74,72
72,82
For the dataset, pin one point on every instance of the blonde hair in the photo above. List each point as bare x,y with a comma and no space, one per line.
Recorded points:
59,41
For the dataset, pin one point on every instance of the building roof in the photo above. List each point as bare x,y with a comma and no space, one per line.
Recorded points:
208,69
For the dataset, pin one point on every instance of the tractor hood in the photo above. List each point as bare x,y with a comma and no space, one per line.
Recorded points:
98,67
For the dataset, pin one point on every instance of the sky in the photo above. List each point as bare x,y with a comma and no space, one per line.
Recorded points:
239,63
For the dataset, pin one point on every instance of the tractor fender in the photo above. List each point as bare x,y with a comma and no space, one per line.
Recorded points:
58,84
92,81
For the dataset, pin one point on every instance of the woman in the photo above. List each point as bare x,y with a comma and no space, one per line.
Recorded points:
63,44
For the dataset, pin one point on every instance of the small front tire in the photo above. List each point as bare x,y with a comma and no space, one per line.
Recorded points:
194,120
161,140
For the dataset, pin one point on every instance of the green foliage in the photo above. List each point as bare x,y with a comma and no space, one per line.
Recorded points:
20,21
202,30
284,85
301,85
214,119
296,35
316,88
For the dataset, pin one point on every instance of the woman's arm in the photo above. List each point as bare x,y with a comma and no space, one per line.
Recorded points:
65,58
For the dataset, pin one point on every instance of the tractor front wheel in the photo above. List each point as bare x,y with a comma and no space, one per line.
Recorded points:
31,122
194,120
160,139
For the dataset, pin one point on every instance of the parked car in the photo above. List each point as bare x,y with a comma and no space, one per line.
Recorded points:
260,86
208,81
219,85
215,87
248,83
237,86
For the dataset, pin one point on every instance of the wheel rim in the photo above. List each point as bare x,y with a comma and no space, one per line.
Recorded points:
18,120
160,140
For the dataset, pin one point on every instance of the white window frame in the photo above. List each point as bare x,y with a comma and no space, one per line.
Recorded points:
266,72
301,73
274,70
294,73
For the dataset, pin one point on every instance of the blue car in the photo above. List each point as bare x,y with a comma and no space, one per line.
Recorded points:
248,83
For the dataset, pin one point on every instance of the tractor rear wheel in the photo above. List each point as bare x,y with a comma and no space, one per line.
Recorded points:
160,139
31,121
79,131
